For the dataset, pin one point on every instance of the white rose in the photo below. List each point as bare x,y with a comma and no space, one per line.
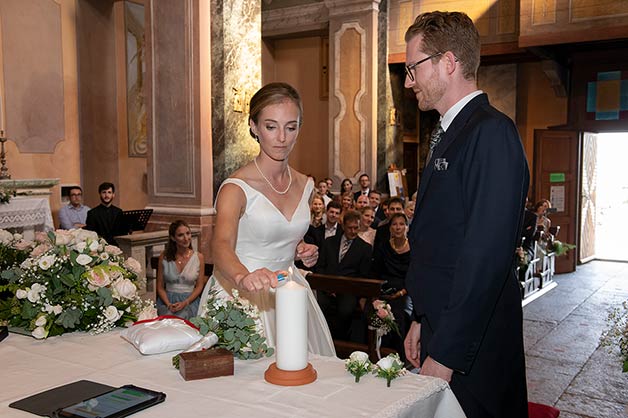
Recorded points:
5,237
57,309
83,259
148,312
63,237
133,265
386,363
21,293
93,246
17,237
112,314
83,235
38,287
32,296
46,262
41,321
39,333
124,289
48,307
359,356
80,247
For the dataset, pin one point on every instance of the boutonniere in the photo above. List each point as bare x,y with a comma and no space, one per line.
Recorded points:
389,368
358,364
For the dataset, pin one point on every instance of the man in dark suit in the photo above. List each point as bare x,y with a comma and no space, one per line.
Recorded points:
106,219
365,186
331,227
469,209
343,255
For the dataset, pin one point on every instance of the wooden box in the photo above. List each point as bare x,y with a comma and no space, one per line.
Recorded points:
208,363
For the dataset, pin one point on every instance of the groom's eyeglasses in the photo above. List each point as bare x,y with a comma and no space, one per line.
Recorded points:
411,67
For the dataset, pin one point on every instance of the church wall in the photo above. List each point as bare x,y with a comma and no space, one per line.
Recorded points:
298,62
39,98
537,105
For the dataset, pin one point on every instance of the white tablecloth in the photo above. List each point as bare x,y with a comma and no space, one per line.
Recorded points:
30,366
27,213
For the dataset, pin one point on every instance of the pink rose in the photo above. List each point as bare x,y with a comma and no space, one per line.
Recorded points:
98,278
22,245
40,249
41,237
378,304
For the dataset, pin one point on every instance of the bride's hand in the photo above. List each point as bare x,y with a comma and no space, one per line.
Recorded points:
308,253
258,280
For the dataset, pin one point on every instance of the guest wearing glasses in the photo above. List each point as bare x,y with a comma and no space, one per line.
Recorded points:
74,214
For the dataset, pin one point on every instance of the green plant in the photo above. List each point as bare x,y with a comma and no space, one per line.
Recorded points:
616,336
236,323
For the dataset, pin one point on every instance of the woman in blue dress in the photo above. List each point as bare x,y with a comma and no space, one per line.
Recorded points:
180,278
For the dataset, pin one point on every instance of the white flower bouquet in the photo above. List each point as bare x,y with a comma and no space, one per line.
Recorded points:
71,281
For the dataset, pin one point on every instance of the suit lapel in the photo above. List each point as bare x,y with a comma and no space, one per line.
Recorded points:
450,135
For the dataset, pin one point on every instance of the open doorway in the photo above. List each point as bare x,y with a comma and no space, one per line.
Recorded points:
611,214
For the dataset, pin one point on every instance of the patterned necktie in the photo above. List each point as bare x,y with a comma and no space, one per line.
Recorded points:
344,249
437,135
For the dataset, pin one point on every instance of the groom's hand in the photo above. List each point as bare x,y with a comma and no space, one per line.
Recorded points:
308,253
258,280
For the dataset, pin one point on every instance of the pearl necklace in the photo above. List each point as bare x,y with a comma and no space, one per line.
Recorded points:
268,181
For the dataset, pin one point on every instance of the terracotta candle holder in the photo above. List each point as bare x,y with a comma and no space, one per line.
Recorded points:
290,377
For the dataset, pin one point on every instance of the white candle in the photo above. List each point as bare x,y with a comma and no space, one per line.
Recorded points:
291,318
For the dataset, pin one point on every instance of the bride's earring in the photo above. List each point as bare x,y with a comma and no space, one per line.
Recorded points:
257,138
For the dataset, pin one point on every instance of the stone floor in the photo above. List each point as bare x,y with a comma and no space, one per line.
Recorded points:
566,367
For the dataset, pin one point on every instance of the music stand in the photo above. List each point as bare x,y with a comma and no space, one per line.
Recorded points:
136,220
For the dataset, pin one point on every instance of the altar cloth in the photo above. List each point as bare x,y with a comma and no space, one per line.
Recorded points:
31,366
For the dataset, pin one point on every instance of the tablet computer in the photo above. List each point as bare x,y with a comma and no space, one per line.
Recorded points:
117,403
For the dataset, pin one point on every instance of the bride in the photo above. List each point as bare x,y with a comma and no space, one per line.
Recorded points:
262,213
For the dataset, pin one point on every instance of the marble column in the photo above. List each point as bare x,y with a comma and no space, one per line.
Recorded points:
180,168
236,76
353,93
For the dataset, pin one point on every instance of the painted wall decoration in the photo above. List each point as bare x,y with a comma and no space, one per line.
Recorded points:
135,76
607,97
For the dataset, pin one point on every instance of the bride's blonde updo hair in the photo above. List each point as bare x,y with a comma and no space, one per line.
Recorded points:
271,94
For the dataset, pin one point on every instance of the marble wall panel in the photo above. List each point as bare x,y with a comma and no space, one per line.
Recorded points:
236,75
173,109
32,53
349,89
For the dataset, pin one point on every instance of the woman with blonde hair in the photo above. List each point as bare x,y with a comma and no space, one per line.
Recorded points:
317,211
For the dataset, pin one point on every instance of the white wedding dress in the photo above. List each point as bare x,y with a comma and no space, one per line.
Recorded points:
267,239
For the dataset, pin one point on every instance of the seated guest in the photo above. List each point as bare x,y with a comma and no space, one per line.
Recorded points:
528,231
317,211
181,274
383,213
362,202
375,199
390,263
541,207
365,186
331,227
344,255
73,215
347,203
106,219
395,205
323,191
409,210
330,184
346,187
366,220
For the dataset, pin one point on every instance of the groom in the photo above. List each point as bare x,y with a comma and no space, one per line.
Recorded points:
467,305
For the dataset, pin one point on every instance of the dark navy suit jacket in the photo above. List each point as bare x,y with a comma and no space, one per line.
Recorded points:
463,237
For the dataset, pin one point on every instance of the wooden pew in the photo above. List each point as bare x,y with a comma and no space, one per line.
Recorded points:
360,287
